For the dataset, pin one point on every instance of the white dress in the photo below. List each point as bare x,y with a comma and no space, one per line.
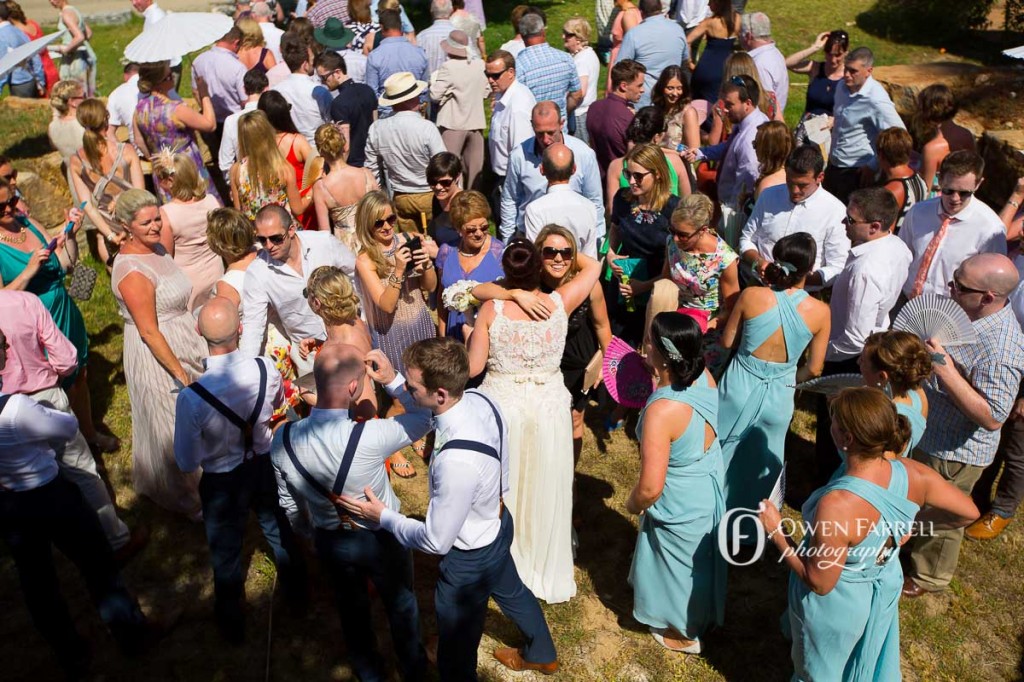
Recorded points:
524,378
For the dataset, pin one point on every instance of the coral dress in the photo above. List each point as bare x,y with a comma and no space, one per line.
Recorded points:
617,34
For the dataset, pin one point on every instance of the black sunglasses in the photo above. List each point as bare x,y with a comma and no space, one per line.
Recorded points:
550,253
638,176
685,235
13,175
275,239
850,220
496,76
566,35
443,182
961,289
390,220
964,194
11,205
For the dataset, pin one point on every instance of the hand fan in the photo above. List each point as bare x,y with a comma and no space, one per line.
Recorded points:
778,494
625,374
832,384
938,318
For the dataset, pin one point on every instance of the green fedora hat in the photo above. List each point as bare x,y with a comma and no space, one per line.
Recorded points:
334,34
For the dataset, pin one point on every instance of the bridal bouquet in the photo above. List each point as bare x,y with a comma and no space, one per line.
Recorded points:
459,296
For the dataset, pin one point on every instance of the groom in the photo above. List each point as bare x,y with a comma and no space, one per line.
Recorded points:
466,521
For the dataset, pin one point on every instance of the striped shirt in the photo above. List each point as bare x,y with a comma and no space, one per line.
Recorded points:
994,366
549,73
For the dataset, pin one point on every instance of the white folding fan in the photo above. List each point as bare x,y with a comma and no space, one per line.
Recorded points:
778,494
938,318
831,384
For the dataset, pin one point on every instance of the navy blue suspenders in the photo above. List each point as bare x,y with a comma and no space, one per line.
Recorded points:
346,463
243,425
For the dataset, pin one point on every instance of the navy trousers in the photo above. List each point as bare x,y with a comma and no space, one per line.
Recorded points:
55,514
468,579
351,557
227,499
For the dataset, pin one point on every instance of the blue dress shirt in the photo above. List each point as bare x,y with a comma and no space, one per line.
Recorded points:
10,38
656,42
859,117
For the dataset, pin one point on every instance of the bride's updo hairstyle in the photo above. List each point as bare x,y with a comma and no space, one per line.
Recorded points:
793,258
685,357
870,417
522,265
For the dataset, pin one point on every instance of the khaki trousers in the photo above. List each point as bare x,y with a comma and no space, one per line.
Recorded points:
414,211
468,145
933,559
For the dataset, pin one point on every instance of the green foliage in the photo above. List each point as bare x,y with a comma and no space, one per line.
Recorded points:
907,19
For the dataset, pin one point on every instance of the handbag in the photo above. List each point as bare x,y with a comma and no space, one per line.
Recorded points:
83,281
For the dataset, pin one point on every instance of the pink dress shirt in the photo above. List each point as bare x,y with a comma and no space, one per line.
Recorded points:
38,354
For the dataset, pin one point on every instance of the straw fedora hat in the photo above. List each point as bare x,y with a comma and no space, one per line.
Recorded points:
400,87
456,44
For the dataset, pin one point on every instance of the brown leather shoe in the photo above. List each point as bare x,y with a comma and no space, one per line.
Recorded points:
987,527
911,590
513,660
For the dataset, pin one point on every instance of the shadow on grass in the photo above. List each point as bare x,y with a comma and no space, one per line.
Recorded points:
29,147
105,375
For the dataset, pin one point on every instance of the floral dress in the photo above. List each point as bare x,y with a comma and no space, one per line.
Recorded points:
252,198
154,115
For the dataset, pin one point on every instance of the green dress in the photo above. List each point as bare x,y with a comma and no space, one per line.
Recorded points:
678,574
48,285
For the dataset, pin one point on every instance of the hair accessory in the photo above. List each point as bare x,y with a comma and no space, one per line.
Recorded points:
788,268
670,349
164,160
938,358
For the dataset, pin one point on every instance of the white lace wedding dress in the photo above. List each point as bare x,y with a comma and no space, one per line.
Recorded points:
523,377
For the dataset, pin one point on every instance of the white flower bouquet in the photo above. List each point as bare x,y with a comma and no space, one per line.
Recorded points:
459,296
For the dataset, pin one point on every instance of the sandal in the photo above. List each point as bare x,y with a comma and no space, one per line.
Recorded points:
403,469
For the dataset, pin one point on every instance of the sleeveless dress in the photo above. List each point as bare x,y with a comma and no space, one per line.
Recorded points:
524,380
104,188
151,389
79,65
155,116
617,35
48,285
821,93
678,574
673,179
707,77
852,633
393,332
914,414
914,190
66,137
35,32
757,403
191,251
450,270
251,198
343,218
580,346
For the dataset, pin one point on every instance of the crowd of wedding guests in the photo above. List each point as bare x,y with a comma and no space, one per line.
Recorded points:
359,249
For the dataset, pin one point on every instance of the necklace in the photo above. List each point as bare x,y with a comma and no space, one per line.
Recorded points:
394,247
19,237
469,255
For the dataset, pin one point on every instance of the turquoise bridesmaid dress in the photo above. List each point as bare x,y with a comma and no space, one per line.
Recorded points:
852,633
918,422
756,403
678,575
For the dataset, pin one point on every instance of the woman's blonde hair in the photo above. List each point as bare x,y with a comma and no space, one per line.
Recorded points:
742,64
129,203
252,35
339,303
652,158
229,233
330,143
93,115
466,206
186,182
696,209
563,232
151,74
369,210
63,91
257,145
579,27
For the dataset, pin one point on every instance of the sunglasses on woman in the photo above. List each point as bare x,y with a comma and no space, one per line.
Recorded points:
443,182
275,239
637,176
390,220
551,253
10,206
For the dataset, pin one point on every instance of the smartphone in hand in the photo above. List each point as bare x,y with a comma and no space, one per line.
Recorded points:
414,244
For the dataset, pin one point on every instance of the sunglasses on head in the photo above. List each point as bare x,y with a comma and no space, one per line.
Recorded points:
964,194
390,220
495,76
550,253
275,239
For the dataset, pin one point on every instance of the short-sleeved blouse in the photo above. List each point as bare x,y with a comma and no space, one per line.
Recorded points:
697,274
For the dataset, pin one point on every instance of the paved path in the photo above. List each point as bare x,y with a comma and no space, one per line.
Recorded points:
41,11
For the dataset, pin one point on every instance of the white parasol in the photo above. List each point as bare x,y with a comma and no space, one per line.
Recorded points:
10,61
1015,52
176,35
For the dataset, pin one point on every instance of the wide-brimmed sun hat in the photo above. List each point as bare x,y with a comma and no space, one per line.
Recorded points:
334,34
400,87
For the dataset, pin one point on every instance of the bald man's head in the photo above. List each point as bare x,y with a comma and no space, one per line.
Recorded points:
337,366
989,272
558,163
219,322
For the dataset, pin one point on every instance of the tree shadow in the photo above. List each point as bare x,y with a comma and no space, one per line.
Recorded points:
29,147
105,374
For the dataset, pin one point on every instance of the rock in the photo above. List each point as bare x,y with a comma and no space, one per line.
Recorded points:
1003,151
42,182
904,82
115,18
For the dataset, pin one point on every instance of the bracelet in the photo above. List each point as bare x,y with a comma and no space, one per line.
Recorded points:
394,281
109,237
1011,202
772,534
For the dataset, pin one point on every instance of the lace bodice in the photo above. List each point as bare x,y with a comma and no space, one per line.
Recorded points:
526,347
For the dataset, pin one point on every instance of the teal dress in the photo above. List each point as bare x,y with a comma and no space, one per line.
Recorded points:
48,285
852,633
756,403
678,575
914,413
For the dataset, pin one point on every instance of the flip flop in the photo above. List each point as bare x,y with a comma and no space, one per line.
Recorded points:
401,467
659,636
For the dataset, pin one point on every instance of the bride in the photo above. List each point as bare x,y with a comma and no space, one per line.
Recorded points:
522,358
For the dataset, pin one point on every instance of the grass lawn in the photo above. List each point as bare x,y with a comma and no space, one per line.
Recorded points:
973,633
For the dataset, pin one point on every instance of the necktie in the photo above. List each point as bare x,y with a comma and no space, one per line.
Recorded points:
929,254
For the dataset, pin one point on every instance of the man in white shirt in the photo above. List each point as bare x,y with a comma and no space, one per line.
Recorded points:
801,205
944,231
430,38
466,522
310,101
561,205
277,280
255,84
689,14
123,99
756,38
222,424
863,294
510,117
264,16
332,453
399,147
152,13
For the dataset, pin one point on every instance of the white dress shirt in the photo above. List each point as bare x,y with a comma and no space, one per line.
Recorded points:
273,284
319,443
975,229
272,37
465,486
398,149
864,293
310,102
229,141
510,124
514,46
121,103
587,64
820,215
562,206
771,67
203,436
29,434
